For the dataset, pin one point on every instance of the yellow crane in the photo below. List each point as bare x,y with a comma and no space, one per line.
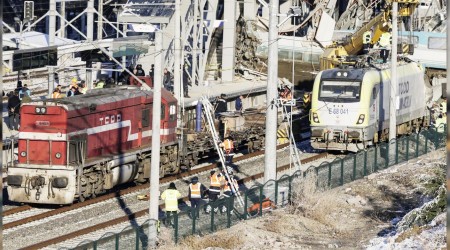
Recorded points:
335,54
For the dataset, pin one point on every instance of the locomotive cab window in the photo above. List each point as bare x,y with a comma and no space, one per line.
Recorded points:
172,112
339,91
145,118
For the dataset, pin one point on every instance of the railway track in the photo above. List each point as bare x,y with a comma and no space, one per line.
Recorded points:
145,211
21,209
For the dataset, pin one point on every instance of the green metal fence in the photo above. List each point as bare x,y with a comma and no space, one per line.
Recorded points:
328,175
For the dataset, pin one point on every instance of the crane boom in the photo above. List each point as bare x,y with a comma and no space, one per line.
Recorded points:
335,54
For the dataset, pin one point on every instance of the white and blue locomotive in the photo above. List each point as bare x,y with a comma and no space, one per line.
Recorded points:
350,107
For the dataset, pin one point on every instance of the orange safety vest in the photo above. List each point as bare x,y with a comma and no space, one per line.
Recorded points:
215,181
195,190
56,95
228,146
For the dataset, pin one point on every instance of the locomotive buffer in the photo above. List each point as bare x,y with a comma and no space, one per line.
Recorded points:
209,111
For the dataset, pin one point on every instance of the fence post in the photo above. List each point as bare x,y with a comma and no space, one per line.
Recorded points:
365,162
95,245
354,167
117,241
407,148
212,217
317,176
375,159
396,151
386,164
229,207
176,227
290,186
276,193
342,172
329,175
417,145
245,205
260,199
137,238
194,218
426,143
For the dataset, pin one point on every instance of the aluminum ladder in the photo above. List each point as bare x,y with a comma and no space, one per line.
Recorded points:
294,152
209,111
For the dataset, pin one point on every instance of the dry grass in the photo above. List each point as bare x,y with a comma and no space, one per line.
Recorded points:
224,242
415,230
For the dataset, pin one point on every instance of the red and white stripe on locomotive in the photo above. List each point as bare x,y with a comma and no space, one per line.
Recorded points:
66,145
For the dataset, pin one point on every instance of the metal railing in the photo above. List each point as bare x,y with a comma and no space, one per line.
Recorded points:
278,193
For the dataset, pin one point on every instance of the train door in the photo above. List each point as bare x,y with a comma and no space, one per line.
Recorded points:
76,157
374,112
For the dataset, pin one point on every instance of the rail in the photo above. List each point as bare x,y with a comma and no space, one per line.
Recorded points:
114,238
327,175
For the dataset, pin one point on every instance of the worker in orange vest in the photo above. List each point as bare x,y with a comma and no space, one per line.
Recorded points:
57,92
216,180
228,147
228,192
196,194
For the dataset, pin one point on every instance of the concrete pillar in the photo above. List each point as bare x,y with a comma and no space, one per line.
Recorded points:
270,158
62,11
52,23
100,20
250,10
90,20
156,126
229,40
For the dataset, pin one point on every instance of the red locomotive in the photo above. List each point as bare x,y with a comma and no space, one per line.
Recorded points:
81,146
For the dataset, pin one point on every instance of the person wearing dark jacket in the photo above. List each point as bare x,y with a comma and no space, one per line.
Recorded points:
139,71
220,107
168,80
185,84
196,194
13,110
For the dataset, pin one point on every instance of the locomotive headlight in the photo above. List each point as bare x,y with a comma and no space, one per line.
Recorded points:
338,74
43,110
58,155
23,153
345,74
361,119
37,110
315,118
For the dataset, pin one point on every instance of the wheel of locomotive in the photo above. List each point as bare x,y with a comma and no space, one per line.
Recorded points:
81,198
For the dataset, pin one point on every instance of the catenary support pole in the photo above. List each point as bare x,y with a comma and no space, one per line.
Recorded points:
156,126
393,98
270,157
177,54
52,22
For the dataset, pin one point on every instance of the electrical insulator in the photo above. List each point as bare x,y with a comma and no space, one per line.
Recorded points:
28,10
